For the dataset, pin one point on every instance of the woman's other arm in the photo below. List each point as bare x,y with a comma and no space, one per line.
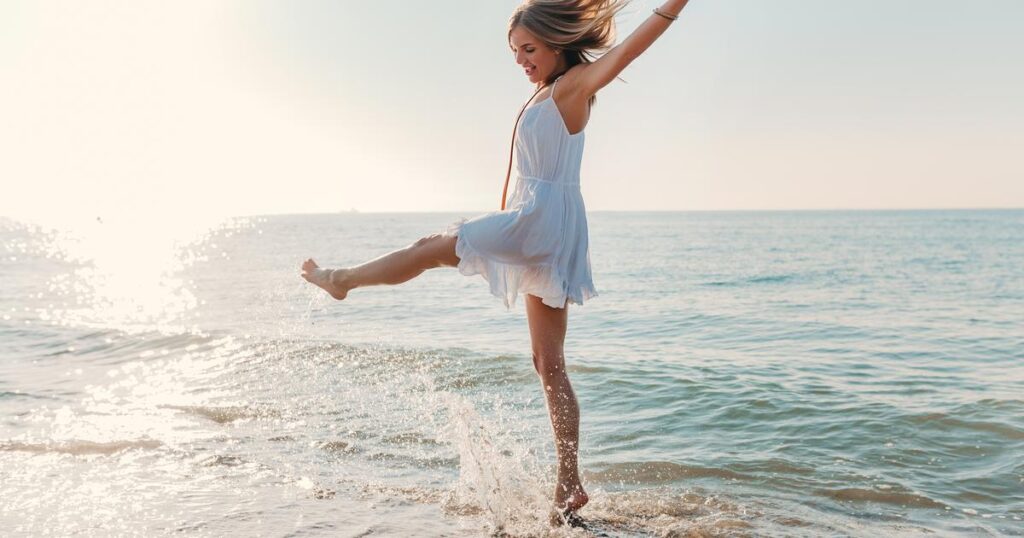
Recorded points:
602,71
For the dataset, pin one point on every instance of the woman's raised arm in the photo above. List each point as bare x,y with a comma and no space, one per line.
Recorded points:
602,71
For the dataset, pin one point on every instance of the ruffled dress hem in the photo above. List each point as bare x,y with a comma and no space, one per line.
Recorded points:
508,280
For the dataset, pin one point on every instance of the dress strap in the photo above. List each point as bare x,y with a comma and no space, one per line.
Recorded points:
555,83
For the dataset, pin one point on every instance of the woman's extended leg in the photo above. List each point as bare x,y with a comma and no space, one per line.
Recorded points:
547,334
395,267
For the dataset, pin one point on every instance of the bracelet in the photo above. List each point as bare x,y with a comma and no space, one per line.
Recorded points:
669,17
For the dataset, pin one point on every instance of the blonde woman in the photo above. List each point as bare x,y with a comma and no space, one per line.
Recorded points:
538,245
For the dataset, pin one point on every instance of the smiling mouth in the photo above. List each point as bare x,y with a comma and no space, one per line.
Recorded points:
530,70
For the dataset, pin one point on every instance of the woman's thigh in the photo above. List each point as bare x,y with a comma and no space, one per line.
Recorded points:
547,334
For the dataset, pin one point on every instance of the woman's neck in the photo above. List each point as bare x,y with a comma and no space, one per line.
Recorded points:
560,69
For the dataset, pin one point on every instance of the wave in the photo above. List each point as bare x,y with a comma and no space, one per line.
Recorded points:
897,498
27,395
760,279
225,415
658,472
80,447
948,421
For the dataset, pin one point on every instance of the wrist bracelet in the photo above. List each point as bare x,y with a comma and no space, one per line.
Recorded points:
669,17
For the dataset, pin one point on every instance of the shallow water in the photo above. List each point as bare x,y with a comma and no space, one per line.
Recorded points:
741,374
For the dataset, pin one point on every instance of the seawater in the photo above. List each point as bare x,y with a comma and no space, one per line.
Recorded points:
835,373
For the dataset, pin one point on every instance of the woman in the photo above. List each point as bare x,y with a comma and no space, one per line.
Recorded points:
538,246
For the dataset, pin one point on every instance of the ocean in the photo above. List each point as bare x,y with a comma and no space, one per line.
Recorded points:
803,373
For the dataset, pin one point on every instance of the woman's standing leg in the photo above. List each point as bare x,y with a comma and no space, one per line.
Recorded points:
547,333
395,267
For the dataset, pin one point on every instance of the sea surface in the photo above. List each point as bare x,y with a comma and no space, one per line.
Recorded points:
807,373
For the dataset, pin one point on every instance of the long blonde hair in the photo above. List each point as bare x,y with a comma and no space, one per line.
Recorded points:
577,27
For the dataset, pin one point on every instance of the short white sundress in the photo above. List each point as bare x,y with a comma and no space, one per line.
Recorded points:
539,243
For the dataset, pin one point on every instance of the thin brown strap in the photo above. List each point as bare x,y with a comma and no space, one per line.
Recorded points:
508,174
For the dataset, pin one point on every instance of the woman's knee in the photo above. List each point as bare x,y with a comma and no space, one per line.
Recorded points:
548,363
439,248
425,240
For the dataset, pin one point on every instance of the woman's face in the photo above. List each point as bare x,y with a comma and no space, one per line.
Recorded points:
537,59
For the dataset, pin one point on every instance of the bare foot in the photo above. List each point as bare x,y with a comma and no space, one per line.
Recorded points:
332,281
568,500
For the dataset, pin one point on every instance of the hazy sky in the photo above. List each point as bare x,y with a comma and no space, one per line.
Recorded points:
259,106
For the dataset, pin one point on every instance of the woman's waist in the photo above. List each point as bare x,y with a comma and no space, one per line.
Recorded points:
567,182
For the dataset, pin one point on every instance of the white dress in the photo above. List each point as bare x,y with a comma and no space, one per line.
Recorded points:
538,244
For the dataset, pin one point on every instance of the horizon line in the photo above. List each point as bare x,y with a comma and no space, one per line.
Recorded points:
788,210
28,219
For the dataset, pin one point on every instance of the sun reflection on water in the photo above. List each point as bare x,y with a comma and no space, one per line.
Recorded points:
127,273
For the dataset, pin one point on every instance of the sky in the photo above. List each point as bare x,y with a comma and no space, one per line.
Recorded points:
253,107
